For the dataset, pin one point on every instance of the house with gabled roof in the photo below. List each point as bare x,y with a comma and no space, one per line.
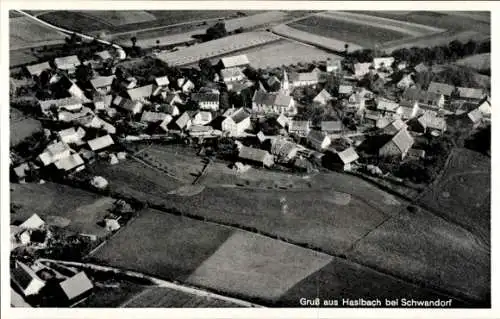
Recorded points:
70,103
303,78
405,82
398,145
273,103
345,90
67,63
72,162
64,85
485,109
37,69
102,84
97,123
236,122
256,156
77,286
331,127
185,85
240,61
341,161
206,101
356,102
141,93
323,97
232,75
26,279
318,140
202,118
153,117
128,105
102,102
333,66
100,143
162,81
430,122
54,152
273,83
386,106
129,83
425,99
71,135
441,88
34,222
282,120
171,98
361,69
283,149
475,116
408,109
470,94
394,127
299,128
371,117
183,122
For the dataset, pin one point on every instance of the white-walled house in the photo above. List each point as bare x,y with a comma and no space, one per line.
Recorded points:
236,123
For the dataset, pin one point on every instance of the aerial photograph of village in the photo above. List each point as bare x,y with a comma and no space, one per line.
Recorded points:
249,158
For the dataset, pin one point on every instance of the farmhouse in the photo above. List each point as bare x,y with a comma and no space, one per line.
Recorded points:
71,135
67,63
171,98
169,109
232,75
340,160
304,79
26,280
202,118
236,122
183,122
475,116
318,140
356,102
254,155
102,84
424,98
185,85
240,61
470,94
441,88
345,90
64,84
153,117
428,121
386,106
100,143
72,162
103,102
34,222
82,115
331,127
408,109
70,103
127,105
383,62
394,127
96,122
54,152
398,145
323,97
282,120
371,117
162,81
140,93
273,103
361,69
206,101
37,69
76,287
485,108
299,128
283,149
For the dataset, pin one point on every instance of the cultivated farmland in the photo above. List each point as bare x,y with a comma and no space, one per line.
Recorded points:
303,34
161,297
283,52
81,208
347,31
425,248
22,127
116,18
478,62
25,33
216,47
462,195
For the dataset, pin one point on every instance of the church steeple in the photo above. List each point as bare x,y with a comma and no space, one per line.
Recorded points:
285,84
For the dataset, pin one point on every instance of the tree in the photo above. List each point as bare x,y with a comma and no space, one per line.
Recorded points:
346,47
216,31
158,44
84,73
134,41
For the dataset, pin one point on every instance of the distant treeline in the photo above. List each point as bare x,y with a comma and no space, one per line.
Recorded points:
430,55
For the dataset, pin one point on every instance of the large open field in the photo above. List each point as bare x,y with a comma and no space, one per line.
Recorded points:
478,62
161,297
217,47
283,52
73,208
239,264
25,33
365,35
22,126
462,195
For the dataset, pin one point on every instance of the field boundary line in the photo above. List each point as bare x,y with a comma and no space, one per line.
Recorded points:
155,280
